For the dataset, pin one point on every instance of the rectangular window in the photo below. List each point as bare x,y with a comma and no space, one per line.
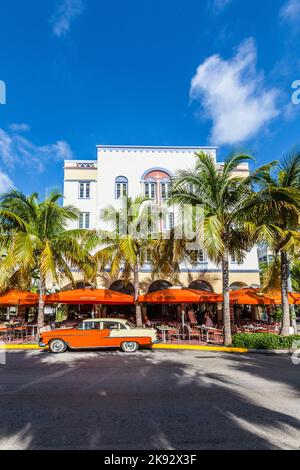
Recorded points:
84,190
147,256
118,190
233,258
121,190
124,189
84,220
201,256
87,220
164,222
150,190
165,190
168,221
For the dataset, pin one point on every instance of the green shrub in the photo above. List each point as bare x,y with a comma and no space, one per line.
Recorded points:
263,341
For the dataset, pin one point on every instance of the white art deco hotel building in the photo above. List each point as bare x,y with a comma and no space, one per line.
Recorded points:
93,185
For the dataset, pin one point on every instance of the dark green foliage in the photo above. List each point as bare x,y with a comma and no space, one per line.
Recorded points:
263,341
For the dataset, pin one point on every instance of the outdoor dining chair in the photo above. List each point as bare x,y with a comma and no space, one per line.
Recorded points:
216,336
193,333
3,333
174,333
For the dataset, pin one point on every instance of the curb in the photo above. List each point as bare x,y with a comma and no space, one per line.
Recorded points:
271,351
188,347
20,346
174,347
162,346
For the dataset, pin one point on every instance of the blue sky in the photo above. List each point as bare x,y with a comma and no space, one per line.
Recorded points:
148,72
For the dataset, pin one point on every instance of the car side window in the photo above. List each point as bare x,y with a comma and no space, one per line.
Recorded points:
91,325
108,325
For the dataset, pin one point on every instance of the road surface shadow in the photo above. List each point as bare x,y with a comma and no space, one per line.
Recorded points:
148,400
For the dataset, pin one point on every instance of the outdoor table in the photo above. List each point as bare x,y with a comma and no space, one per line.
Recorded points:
207,329
33,328
164,330
9,330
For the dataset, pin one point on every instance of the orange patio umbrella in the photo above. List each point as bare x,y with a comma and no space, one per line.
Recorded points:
294,297
250,296
89,296
178,296
15,298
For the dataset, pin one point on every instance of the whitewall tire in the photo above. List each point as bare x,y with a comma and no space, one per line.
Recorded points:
129,346
57,346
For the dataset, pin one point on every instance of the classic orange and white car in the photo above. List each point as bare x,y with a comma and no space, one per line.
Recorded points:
99,333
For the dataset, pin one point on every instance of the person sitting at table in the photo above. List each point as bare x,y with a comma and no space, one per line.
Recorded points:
208,319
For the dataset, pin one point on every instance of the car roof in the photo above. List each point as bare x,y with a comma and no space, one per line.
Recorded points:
120,320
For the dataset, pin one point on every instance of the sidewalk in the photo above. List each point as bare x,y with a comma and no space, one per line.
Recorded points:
168,346
191,346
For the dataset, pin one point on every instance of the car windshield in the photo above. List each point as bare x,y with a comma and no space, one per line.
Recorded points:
129,324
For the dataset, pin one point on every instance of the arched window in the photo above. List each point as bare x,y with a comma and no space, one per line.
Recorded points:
157,184
237,286
159,285
121,187
122,286
201,285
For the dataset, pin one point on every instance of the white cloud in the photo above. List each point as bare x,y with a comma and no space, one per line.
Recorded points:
233,96
19,127
15,149
5,182
290,11
66,13
219,5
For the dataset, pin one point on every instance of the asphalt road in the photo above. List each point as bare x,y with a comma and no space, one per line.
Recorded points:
149,400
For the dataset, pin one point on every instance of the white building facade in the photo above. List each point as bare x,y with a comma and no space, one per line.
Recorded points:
95,185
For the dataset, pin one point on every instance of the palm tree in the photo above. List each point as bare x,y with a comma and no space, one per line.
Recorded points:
274,211
221,194
295,274
35,242
126,244
167,252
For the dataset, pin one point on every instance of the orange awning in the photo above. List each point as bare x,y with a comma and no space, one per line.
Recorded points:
177,296
250,296
15,297
89,296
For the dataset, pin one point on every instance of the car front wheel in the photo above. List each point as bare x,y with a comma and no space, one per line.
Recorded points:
129,346
57,346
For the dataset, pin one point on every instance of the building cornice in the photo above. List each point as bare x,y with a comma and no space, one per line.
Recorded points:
155,147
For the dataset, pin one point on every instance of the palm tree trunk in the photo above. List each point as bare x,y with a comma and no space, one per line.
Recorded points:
136,284
226,300
41,319
285,327
292,307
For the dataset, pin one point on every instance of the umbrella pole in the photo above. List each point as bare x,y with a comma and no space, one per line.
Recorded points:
183,320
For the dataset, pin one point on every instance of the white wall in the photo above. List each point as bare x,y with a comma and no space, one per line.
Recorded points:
133,162
71,194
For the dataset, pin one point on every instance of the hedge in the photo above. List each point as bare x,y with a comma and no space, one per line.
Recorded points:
264,341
